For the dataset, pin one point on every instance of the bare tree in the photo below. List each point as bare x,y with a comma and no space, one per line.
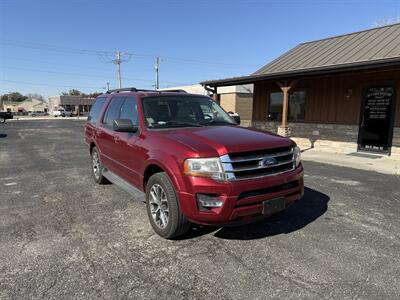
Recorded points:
35,96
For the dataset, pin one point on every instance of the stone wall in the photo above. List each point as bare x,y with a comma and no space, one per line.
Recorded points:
240,103
244,106
228,102
326,137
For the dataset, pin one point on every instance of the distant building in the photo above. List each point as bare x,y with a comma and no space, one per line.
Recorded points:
237,99
72,103
26,106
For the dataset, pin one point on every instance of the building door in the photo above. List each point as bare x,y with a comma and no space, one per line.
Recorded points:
377,116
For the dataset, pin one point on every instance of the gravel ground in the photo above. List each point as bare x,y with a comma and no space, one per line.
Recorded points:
62,236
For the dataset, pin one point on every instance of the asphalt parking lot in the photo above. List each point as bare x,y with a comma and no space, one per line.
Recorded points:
62,236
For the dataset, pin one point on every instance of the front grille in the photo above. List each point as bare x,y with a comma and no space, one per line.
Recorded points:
248,165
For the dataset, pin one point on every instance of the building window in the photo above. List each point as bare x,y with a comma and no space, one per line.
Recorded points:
275,106
297,106
296,111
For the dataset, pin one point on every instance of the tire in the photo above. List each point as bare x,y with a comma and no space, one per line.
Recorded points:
2,120
97,167
159,189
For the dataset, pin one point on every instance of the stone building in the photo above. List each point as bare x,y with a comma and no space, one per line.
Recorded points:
339,94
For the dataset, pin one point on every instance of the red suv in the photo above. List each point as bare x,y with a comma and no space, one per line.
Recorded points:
191,158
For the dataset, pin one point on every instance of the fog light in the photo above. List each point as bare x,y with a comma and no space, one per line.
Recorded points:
208,201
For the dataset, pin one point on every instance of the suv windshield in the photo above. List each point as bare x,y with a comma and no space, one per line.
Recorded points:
183,111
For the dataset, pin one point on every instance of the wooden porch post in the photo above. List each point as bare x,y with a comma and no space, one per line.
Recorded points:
284,129
285,91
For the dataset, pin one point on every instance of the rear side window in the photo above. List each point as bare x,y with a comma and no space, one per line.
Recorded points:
96,109
113,110
129,110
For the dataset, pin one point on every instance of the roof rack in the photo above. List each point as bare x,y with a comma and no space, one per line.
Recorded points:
128,89
133,89
174,91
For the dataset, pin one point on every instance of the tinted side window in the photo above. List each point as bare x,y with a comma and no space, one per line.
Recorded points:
113,110
129,110
96,109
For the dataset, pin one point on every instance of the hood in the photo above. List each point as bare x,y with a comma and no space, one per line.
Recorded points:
227,139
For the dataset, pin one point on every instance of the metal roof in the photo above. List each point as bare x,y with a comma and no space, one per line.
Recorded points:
364,48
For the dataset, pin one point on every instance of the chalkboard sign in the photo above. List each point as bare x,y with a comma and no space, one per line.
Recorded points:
376,123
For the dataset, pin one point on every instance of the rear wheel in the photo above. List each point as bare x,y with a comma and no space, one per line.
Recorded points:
163,209
97,167
2,120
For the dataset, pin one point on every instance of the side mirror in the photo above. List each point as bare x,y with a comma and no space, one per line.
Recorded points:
235,117
124,125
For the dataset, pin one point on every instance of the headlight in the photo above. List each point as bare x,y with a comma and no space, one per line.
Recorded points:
204,167
296,155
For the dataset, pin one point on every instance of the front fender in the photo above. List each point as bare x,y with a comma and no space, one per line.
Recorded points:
171,165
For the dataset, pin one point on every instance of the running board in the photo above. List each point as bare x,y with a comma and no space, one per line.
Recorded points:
126,186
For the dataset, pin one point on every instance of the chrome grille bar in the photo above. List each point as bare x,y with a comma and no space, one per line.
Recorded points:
226,158
249,165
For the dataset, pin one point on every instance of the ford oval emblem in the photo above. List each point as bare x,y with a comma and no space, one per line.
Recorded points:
268,162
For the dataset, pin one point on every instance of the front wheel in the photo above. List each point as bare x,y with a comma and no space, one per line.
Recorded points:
163,209
2,120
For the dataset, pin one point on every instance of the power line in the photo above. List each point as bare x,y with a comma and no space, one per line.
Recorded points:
77,74
106,53
52,85
80,74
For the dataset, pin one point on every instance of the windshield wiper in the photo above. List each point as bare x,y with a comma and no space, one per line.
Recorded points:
216,122
181,123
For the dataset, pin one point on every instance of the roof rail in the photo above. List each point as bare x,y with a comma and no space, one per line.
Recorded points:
174,91
130,89
133,89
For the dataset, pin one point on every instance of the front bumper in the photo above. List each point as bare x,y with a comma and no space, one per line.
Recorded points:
242,200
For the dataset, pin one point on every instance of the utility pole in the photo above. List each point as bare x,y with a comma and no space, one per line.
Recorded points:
116,58
118,62
156,67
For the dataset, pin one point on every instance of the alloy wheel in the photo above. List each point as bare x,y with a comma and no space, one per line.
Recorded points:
96,164
159,206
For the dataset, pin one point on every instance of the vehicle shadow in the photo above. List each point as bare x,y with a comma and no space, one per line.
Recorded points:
313,205
3,135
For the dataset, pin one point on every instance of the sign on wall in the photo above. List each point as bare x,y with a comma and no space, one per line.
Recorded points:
376,126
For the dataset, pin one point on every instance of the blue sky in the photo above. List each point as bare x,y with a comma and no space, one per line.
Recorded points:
42,41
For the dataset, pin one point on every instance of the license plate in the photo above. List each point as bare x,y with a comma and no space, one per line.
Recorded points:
273,206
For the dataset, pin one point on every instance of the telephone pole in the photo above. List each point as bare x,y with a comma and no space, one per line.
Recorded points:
116,58
156,67
118,62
